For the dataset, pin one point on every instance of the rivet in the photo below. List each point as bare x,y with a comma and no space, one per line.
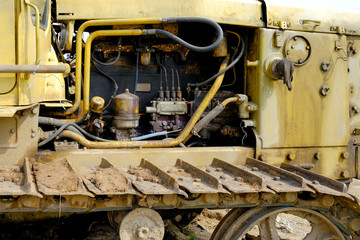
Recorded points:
12,130
317,155
277,178
197,180
208,170
315,182
345,155
261,157
345,174
291,156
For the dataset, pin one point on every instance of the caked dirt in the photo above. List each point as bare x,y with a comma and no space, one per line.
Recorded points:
143,174
107,179
13,174
56,175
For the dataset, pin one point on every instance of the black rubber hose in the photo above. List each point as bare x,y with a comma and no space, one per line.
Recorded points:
45,120
57,123
224,70
194,48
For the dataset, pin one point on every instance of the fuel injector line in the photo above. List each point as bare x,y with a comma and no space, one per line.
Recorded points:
156,143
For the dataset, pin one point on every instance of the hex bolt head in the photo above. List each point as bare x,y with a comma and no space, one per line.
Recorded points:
315,182
261,157
317,155
218,169
291,156
197,180
255,169
345,174
12,130
277,178
344,155
208,170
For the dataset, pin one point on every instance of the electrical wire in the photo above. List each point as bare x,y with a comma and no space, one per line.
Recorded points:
108,63
224,70
236,50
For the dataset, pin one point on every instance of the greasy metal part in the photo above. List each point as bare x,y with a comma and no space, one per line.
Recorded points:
126,114
298,50
265,218
284,69
221,50
168,107
142,223
97,104
64,68
157,143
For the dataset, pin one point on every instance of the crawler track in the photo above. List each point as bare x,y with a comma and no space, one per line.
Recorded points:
183,186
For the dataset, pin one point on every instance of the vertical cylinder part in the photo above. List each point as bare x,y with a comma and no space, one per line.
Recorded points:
126,114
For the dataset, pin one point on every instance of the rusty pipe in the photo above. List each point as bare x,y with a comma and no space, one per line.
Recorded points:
156,143
78,63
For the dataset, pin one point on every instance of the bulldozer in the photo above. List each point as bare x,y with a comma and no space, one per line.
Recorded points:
143,109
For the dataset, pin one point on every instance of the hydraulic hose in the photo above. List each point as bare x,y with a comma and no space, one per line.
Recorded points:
110,22
156,143
57,123
194,48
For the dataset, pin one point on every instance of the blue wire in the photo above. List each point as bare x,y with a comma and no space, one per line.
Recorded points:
137,71
149,136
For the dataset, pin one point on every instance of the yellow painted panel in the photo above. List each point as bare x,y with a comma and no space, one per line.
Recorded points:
242,12
303,117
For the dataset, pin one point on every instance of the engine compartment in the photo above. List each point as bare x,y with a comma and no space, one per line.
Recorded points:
148,87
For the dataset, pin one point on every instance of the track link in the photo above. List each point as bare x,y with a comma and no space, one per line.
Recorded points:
182,186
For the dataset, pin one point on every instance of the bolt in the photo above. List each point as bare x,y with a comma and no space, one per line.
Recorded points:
218,169
345,174
307,47
277,178
317,155
168,171
197,180
292,46
255,169
12,130
289,24
181,170
299,60
355,51
344,155
155,180
208,170
295,38
34,111
291,156
315,182
261,157
142,232
238,179
33,135
324,90
223,177
139,179
180,179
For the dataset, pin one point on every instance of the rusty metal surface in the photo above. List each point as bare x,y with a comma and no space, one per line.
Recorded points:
276,178
235,178
194,179
163,184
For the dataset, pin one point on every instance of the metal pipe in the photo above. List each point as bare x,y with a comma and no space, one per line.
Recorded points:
87,59
37,30
78,64
156,143
35,68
